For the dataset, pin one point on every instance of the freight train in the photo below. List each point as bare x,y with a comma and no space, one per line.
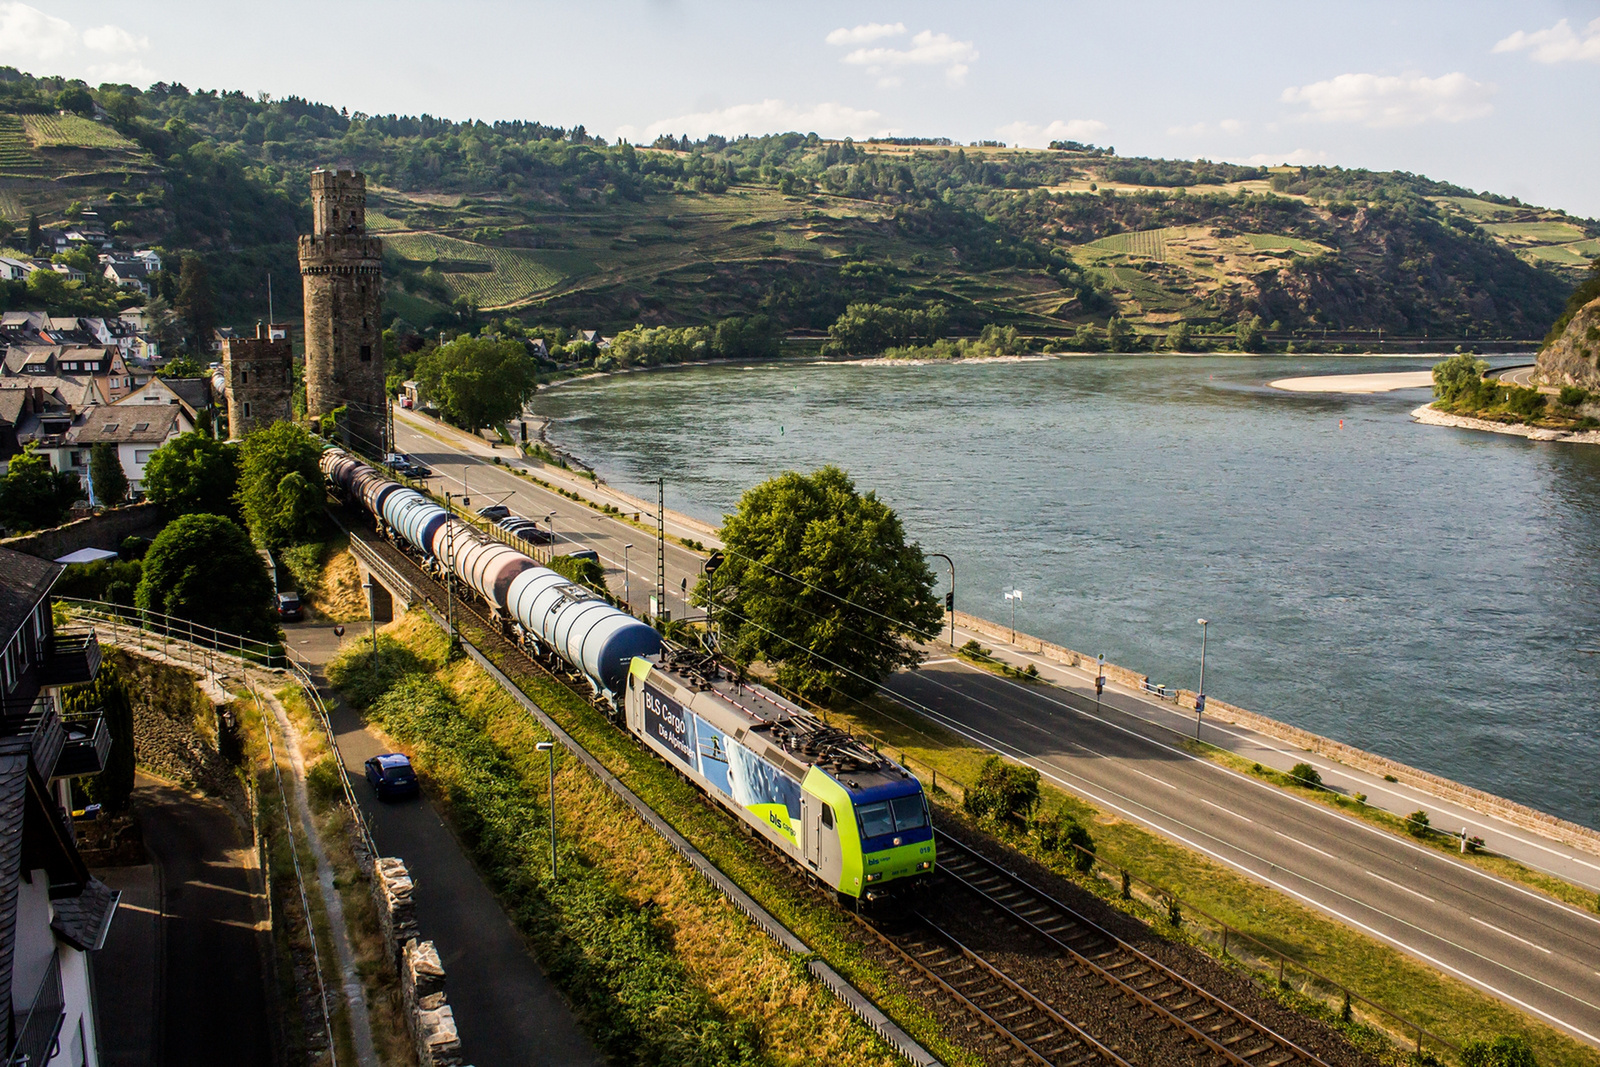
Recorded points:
841,813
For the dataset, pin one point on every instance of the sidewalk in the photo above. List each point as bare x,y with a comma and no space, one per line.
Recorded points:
681,526
1575,865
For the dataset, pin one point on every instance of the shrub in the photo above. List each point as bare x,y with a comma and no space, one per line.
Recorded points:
1305,774
323,781
1417,823
1571,396
1004,792
1503,1051
1062,833
202,568
134,547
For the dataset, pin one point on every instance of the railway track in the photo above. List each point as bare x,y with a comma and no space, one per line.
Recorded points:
1011,1023
1229,1034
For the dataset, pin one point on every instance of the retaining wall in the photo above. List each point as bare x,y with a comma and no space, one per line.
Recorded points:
105,530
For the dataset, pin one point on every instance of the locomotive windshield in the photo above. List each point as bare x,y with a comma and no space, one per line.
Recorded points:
892,816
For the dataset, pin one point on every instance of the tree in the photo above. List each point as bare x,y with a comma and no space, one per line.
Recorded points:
203,568
1179,337
106,476
1119,335
1460,374
34,495
280,485
75,99
478,381
194,304
1249,333
820,583
193,473
35,235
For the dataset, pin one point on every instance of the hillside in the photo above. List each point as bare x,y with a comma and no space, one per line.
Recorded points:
555,225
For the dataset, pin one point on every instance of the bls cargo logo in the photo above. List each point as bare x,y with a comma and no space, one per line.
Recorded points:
664,720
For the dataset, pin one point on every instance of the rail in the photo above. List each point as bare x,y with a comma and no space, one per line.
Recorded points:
248,650
319,711
42,1025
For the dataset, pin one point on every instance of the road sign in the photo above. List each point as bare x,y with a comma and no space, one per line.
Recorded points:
712,562
1099,684
1199,703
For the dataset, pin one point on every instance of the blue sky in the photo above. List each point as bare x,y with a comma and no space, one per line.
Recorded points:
1499,96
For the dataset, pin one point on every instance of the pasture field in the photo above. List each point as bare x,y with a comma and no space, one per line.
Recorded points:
1577,254
73,131
1544,232
1274,242
1478,210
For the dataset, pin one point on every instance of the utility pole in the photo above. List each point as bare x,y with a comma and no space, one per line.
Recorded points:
449,571
548,746
661,548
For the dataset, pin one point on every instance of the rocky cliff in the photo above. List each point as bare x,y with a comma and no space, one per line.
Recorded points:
1573,357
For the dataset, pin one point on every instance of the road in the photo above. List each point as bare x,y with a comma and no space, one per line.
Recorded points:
1514,943
507,1011
1522,376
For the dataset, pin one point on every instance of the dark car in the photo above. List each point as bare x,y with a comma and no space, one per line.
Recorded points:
526,529
391,776
584,553
289,605
417,470
495,512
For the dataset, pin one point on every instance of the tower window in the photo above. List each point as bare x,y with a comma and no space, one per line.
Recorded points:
366,353
244,377
247,409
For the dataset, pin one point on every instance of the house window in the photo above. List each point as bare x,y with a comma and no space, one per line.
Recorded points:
77,459
366,353
247,409
140,427
141,456
113,428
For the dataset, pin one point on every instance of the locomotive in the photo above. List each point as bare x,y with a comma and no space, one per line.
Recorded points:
843,814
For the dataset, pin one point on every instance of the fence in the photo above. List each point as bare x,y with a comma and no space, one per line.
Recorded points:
248,650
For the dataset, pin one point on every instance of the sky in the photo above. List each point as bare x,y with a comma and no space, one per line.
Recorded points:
1497,96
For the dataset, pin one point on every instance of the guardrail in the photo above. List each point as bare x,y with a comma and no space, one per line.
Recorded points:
249,650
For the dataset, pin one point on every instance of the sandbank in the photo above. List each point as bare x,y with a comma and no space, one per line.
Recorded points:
1356,383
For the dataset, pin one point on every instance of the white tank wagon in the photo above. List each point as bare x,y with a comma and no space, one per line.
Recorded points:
576,624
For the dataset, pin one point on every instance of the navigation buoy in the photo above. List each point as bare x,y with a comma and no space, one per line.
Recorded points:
1341,424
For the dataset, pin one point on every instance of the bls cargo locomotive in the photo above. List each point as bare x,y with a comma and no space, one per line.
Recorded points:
836,809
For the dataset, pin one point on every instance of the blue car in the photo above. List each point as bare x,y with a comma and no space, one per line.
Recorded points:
391,776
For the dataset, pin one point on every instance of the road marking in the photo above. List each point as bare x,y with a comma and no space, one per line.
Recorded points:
1228,811
931,662
1302,844
1509,934
1402,888
1152,777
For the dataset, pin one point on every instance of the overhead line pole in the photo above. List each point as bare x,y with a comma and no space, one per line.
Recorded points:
661,547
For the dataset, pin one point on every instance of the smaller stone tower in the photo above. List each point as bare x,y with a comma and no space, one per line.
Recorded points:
258,373
341,268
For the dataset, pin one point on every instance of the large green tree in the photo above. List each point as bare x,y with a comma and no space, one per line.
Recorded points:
203,568
818,581
478,381
280,485
193,473
110,481
195,304
34,495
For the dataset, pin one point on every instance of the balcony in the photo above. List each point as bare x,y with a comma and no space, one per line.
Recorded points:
33,725
87,745
39,1028
68,660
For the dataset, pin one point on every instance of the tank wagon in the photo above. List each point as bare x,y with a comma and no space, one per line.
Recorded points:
840,812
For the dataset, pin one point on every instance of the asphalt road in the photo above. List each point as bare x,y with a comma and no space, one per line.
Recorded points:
1516,944
507,1011
1522,376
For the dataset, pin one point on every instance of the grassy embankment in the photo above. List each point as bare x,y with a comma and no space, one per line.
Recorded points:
659,966
1444,1005
327,577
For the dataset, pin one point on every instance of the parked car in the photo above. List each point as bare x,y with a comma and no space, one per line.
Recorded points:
418,470
289,605
526,529
391,776
584,553
495,512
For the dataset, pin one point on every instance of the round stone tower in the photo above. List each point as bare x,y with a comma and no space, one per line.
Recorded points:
342,271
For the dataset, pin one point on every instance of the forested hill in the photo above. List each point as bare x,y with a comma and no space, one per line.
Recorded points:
557,226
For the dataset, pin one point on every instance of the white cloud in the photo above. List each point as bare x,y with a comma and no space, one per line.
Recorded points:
1300,157
768,116
1387,100
1558,44
870,31
1032,135
113,39
28,35
928,49
1201,129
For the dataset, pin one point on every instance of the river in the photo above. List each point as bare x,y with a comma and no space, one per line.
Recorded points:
1419,592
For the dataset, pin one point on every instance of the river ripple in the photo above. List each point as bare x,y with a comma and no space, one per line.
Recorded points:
1416,591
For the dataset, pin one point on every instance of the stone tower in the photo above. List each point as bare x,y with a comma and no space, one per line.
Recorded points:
342,271
258,374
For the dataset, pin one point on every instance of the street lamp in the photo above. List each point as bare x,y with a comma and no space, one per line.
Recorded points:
950,597
627,579
1014,596
550,521
547,746
373,615
1200,696
1099,682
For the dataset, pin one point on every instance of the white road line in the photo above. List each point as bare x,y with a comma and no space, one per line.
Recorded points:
1302,844
1152,777
1226,811
1402,888
1509,934
931,662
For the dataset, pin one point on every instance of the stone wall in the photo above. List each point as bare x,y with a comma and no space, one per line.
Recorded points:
430,1019
105,530
259,377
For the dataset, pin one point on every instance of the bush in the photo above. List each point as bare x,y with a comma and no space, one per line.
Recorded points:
1572,396
325,781
1004,792
1503,1051
109,580
1306,775
202,568
1417,823
1062,833
134,547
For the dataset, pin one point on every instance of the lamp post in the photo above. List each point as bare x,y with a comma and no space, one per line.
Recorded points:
1099,682
950,597
373,615
1200,696
1014,596
550,521
548,746
627,579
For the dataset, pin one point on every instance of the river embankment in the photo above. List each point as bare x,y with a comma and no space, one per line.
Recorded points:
1428,415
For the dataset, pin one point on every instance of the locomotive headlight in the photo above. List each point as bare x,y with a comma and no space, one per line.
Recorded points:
925,865
874,876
